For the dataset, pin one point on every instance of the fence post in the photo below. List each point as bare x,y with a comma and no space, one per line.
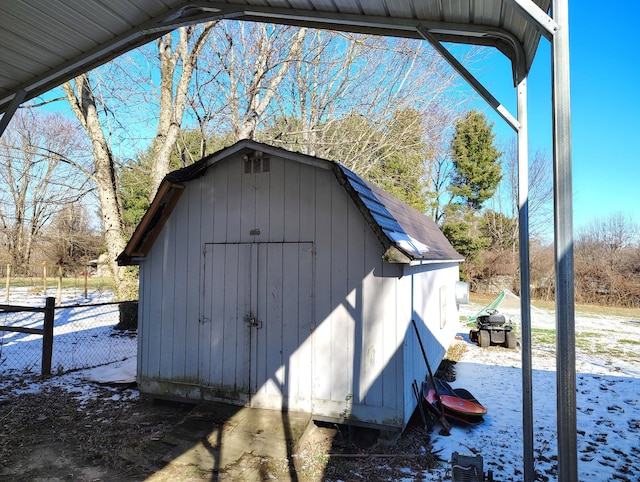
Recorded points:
6,297
47,336
59,284
44,277
86,282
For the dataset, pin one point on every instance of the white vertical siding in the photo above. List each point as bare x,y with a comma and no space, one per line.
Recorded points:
235,271
155,293
344,335
426,281
261,184
300,359
193,226
277,200
216,205
233,212
167,302
353,241
341,317
291,202
180,294
321,208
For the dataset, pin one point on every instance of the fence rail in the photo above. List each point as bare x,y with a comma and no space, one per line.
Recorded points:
46,331
73,337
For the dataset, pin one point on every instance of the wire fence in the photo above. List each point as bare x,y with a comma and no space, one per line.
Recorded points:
84,336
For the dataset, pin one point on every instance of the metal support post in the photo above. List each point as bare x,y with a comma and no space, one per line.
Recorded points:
563,228
525,296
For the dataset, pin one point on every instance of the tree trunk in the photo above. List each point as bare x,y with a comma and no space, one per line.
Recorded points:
246,129
172,104
83,103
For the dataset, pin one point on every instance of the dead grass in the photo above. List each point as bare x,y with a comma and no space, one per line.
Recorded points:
86,437
631,313
51,434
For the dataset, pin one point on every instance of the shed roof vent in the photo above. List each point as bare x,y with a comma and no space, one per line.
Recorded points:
255,163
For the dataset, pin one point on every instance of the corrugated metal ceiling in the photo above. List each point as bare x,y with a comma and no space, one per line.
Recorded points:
43,44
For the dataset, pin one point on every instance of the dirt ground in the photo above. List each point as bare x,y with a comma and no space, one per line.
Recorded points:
56,434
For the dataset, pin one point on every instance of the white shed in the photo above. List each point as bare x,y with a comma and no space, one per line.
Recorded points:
273,279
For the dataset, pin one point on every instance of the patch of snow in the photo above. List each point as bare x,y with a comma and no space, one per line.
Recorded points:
122,372
608,407
84,335
608,404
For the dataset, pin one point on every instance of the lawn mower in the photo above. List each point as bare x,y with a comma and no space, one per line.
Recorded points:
493,329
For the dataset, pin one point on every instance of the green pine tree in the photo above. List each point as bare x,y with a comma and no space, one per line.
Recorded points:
476,161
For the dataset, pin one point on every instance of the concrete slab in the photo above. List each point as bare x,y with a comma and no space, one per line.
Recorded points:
215,436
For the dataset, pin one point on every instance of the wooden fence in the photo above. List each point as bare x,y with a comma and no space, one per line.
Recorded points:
46,331
39,278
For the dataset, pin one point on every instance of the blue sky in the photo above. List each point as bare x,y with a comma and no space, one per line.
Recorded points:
605,101
605,104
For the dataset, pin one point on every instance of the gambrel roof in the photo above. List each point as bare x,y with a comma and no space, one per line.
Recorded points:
406,234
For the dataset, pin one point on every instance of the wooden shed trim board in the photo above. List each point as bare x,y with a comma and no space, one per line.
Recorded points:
154,219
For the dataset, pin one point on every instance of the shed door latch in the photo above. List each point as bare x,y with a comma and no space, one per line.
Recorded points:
251,320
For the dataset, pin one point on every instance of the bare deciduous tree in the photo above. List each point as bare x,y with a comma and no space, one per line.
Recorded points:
540,193
323,93
240,74
177,59
346,89
70,237
85,105
36,178
604,269
96,117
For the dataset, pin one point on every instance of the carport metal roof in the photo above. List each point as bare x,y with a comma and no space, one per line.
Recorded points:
45,43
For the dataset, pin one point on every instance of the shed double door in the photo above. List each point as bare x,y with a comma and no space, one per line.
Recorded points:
257,321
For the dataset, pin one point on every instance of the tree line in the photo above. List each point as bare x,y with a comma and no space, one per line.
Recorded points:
386,108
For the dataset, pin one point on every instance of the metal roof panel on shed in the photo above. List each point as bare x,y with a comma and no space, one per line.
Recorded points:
404,227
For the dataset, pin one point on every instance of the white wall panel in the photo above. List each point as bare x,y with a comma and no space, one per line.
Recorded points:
177,317
336,335
322,360
194,265
342,321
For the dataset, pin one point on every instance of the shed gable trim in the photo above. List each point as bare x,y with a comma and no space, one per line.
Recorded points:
152,222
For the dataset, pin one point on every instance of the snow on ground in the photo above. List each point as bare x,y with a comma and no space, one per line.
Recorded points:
607,399
607,382
84,334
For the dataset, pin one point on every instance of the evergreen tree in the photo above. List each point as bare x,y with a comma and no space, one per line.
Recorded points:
465,230
476,175
135,179
476,161
402,169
